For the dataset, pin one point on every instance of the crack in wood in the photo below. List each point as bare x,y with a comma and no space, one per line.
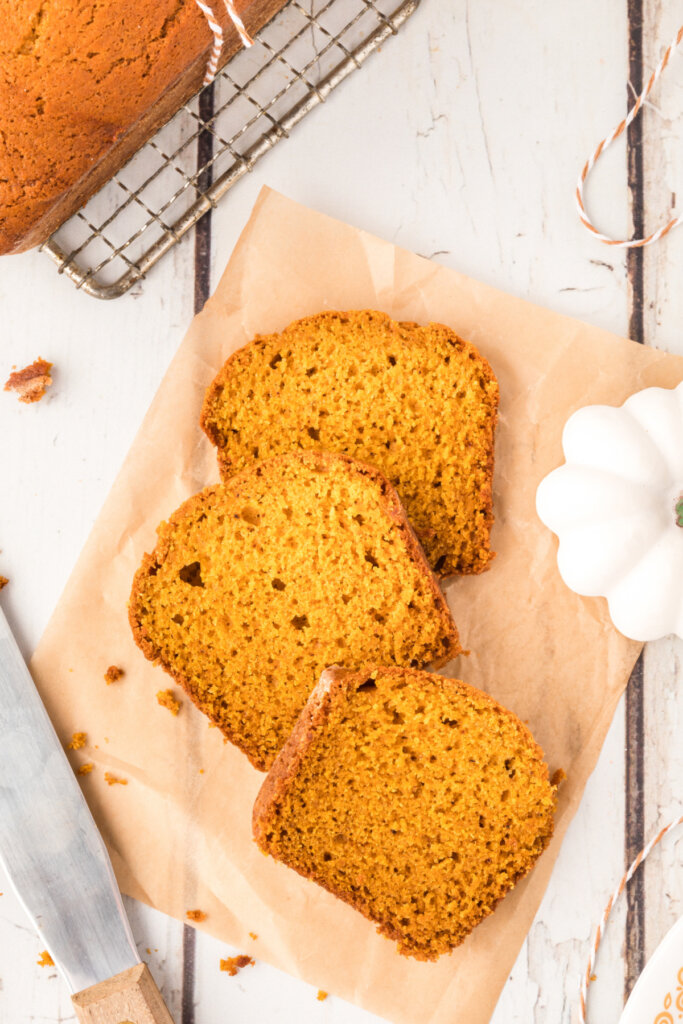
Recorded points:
202,237
202,290
635,827
188,975
635,711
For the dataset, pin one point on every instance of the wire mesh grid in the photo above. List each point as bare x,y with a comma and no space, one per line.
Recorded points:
191,163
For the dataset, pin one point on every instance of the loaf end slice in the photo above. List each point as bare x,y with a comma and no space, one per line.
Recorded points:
417,402
257,584
417,799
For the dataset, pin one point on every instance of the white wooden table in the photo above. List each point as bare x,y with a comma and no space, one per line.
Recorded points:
461,141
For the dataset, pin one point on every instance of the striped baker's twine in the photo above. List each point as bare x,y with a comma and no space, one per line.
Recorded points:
214,25
619,130
600,931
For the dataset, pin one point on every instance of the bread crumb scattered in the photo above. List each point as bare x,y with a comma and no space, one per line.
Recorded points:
321,996
78,740
30,383
196,915
201,771
85,769
233,964
113,674
253,935
45,960
148,951
112,780
3,582
168,700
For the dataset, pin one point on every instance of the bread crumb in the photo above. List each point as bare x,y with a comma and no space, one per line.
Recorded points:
30,383
196,915
253,935
168,700
148,951
233,964
113,674
201,771
3,582
559,776
112,780
321,996
45,960
85,769
78,740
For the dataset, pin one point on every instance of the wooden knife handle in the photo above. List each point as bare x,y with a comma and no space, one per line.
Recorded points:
128,998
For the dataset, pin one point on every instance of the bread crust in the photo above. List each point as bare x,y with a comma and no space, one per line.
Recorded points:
239,358
333,686
195,504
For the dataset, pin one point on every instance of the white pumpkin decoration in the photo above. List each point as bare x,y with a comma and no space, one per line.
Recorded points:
617,508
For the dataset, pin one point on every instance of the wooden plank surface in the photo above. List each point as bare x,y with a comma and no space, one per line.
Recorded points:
662,319
461,141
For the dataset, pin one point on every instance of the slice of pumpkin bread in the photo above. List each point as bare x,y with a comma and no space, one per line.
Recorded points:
257,584
417,799
417,402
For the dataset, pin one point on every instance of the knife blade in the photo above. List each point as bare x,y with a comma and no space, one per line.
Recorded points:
54,855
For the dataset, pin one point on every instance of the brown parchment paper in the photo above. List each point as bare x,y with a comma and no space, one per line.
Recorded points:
179,832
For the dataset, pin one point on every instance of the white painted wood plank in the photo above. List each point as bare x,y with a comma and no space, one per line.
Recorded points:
262,993
57,462
543,986
465,91
663,319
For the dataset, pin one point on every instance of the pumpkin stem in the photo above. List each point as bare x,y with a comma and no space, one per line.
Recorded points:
678,511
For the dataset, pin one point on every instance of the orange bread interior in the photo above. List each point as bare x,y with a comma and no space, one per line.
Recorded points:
257,584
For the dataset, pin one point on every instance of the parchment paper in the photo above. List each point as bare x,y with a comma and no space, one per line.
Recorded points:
179,832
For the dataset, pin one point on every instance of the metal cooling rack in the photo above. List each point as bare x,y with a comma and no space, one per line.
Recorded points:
191,163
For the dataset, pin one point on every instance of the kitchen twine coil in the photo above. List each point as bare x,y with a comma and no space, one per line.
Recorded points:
215,26
633,243
600,930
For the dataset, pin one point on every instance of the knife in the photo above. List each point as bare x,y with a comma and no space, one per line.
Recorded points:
57,862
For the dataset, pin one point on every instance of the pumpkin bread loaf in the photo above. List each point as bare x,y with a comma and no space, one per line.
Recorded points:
258,584
417,402
417,799
83,85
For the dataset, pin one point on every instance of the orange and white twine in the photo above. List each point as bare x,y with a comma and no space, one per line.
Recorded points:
634,243
218,38
600,931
